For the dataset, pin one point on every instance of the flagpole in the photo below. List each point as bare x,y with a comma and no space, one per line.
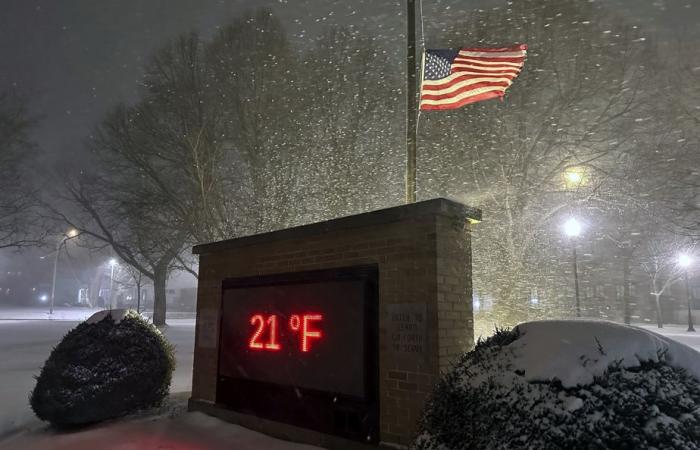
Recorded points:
411,110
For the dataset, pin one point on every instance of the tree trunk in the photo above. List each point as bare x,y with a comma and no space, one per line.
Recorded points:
159,306
657,302
138,295
94,288
659,321
626,288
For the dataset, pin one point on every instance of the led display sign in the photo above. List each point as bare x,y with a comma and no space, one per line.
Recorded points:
304,341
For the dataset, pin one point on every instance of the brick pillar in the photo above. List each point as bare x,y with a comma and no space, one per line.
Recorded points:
423,255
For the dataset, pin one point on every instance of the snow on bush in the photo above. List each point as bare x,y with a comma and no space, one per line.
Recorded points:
105,367
568,384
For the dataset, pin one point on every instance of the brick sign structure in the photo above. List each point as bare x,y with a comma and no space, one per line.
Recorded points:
334,333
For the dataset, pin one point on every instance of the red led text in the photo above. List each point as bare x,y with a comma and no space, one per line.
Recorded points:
265,331
259,323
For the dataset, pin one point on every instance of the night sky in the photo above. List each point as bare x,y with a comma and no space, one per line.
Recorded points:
75,58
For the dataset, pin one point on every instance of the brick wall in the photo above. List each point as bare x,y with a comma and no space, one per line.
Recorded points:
423,257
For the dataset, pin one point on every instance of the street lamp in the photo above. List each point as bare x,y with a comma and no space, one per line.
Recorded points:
684,262
572,228
575,177
69,235
113,264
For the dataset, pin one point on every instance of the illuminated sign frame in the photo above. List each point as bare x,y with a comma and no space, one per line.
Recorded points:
350,414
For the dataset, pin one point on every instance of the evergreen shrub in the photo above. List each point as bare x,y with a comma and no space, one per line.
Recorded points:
653,405
104,370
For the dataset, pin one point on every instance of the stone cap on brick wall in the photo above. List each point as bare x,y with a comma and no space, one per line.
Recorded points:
436,206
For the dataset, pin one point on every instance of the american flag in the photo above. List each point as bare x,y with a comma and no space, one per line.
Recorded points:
454,78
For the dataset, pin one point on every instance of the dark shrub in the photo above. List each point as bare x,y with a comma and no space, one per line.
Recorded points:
104,370
483,403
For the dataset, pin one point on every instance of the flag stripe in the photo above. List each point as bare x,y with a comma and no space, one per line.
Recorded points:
457,76
466,81
456,92
512,48
453,78
496,71
494,55
464,101
463,95
510,62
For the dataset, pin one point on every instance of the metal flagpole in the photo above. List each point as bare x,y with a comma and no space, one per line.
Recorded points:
411,112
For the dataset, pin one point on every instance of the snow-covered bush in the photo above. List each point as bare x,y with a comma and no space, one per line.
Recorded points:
110,365
568,384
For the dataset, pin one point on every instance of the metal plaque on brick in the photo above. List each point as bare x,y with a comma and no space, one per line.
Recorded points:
407,331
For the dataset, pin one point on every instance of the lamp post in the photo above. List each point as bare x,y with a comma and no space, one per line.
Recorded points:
572,228
684,261
69,234
112,264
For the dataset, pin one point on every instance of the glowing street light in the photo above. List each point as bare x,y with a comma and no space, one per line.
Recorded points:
70,234
572,228
684,262
575,177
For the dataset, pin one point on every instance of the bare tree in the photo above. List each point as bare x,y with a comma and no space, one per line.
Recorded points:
348,150
16,192
137,193
160,176
182,120
680,98
252,73
573,108
130,277
662,268
305,130
125,218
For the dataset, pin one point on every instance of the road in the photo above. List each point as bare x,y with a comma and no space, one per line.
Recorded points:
25,345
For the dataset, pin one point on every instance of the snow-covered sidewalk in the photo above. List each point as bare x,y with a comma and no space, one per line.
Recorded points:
78,314
186,431
60,313
678,333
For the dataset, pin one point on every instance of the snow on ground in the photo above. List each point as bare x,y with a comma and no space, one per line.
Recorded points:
78,314
577,351
187,431
60,313
675,331
117,315
25,345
